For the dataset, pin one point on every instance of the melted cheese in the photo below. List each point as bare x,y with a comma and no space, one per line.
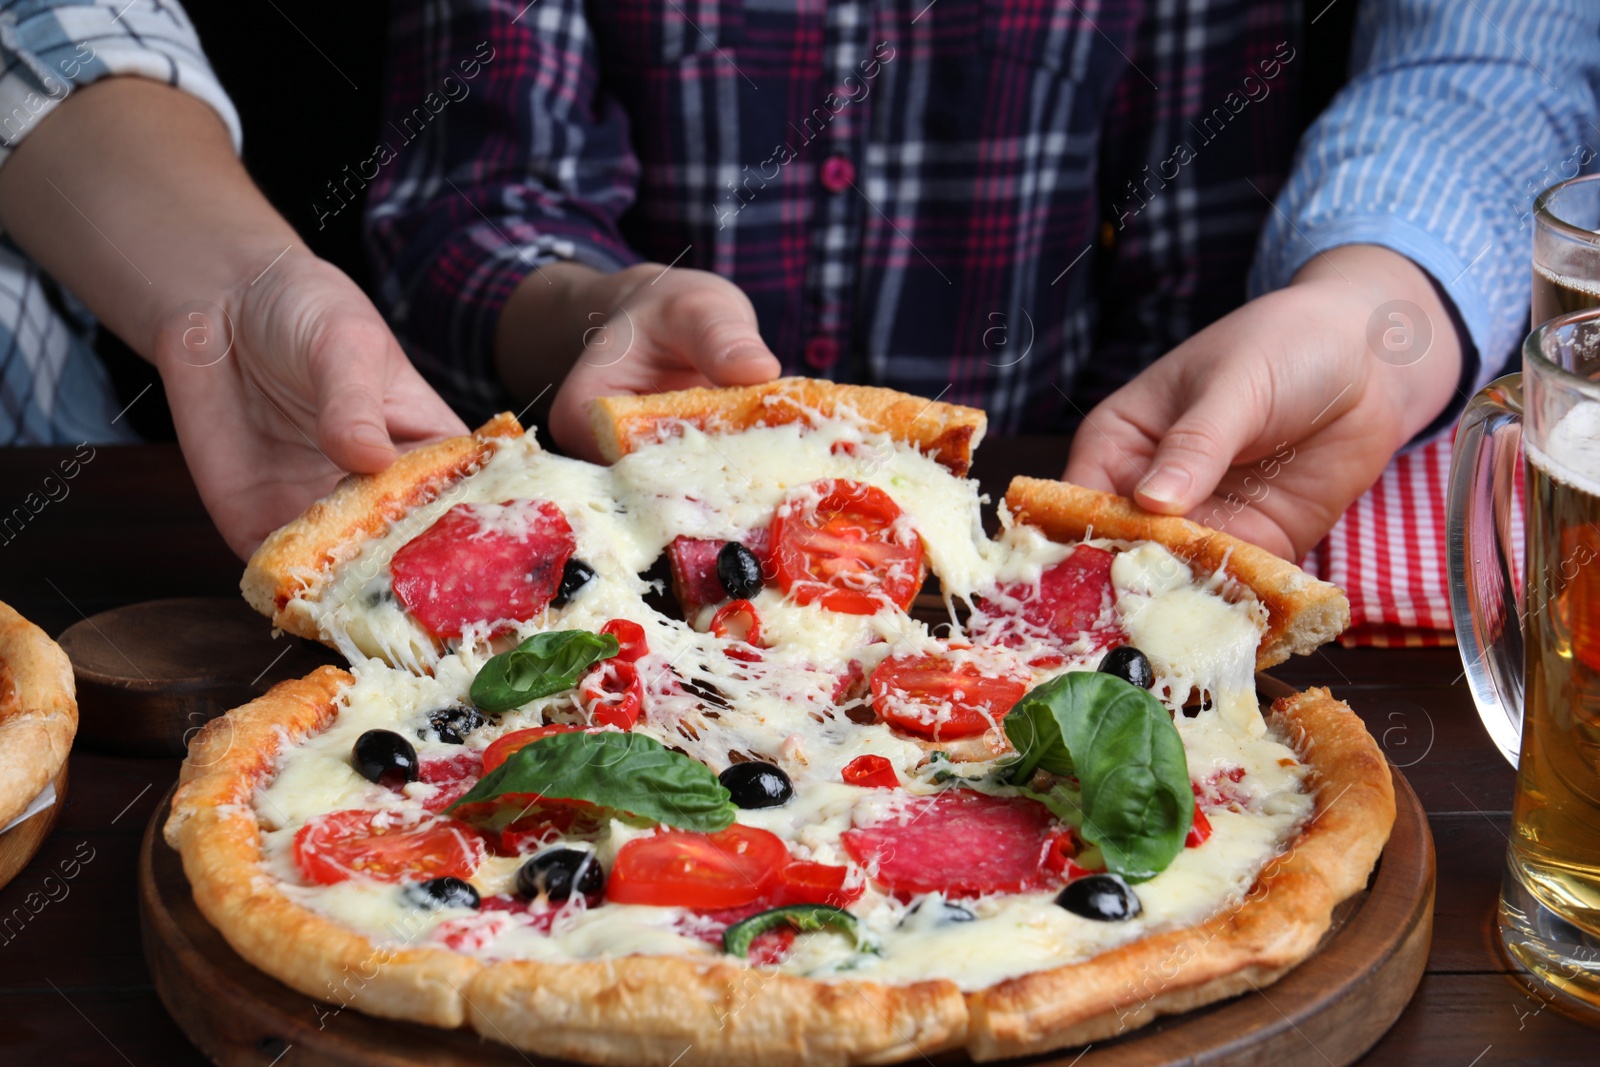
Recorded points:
782,709
1009,935
1195,639
636,508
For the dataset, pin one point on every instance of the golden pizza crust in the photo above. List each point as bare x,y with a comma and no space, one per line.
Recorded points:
651,1009
654,1011
214,828
1276,926
666,1010
38,712
644,1009
1302,613
295,561
947,432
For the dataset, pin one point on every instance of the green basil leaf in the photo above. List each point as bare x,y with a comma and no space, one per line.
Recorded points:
1064,801
623,772
806,918
1133,797
545,663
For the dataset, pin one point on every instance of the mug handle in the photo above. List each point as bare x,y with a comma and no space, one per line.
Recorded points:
1486,601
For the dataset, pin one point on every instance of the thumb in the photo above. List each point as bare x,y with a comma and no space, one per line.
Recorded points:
349,384
1194,454
713,326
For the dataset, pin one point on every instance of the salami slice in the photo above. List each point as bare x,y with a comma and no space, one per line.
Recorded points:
960,842
483,563
1074,601
453,776
495,916
694,568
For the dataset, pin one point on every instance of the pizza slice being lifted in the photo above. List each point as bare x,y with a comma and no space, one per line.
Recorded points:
801,823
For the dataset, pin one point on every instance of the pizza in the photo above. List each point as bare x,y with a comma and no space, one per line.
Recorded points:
38,712
664,762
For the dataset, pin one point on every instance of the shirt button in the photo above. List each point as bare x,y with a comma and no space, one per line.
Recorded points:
838,174
822,352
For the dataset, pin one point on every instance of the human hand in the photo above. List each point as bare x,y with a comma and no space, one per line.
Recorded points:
1272,420
646,329
278,385
281,387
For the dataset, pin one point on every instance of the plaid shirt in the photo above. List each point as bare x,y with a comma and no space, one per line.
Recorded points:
966,199
53,389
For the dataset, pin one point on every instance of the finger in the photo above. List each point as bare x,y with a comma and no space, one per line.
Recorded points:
1197,450
415,414
569,419
1113,447
350,374
1108,453
696,329
712,327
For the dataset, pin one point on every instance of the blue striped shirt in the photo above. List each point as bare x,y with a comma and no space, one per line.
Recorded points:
1458,113
53,389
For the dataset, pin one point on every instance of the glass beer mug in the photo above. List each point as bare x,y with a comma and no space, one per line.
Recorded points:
1566,248
1537,684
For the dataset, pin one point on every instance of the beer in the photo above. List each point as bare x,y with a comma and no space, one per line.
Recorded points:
1555,844
1566,248
1537,686
1555,294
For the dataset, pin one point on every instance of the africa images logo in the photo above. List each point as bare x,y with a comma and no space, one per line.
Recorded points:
1253,89
452,90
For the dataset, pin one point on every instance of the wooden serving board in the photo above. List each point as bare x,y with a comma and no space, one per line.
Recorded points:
19,844
1329,1010
151,674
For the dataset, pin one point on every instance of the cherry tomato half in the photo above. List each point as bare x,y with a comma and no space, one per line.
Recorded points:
847,551
501,748
681,868
526,804
386,846
631,642
613,694
806,882
932,697
544,822
739,622
874,772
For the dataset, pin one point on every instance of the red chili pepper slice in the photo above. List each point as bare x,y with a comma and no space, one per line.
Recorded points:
739,622
872,772
613,694
632,643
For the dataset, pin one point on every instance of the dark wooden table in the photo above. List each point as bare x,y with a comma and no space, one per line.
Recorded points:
73,984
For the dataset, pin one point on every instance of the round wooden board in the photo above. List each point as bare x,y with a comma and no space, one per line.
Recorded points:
151,674
19,844
1329,1010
